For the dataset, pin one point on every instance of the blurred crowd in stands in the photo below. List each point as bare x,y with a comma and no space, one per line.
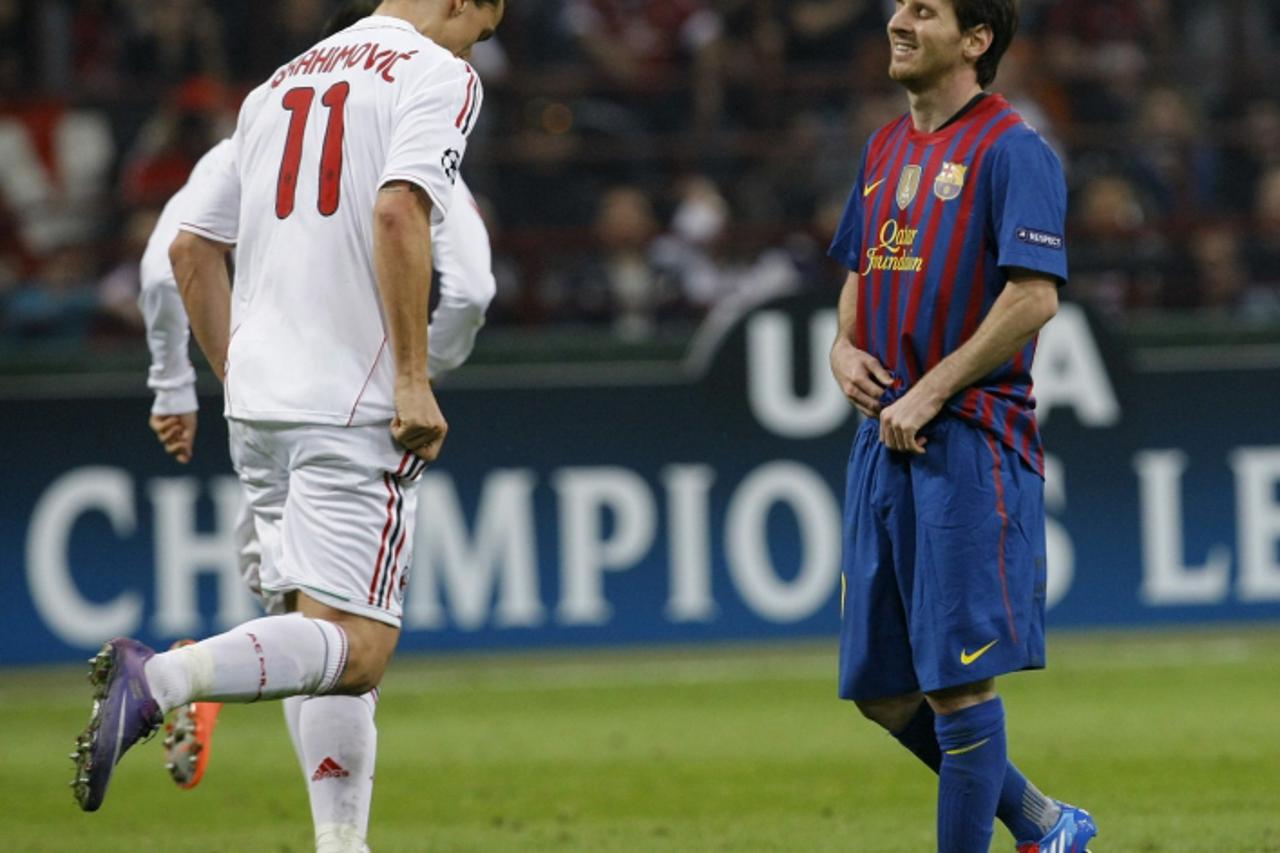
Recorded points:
639,161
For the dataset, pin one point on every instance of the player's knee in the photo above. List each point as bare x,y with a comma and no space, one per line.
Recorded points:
369,648
893,714
365,667
953,699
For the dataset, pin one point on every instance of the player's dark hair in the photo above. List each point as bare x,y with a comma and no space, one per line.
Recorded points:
348,14
1002,17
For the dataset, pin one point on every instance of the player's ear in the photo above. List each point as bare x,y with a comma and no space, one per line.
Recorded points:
457,7
976,40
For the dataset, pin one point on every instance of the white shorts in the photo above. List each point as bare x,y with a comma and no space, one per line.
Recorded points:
334,511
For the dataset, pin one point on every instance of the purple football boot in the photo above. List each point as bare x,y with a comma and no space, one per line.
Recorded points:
124,712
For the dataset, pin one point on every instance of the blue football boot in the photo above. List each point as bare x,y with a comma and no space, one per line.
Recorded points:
1074,829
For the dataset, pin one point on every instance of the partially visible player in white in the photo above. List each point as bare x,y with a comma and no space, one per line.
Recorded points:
346,160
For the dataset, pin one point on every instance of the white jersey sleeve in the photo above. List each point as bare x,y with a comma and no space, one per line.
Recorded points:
464,263
429,138
171,376
376,102
211,200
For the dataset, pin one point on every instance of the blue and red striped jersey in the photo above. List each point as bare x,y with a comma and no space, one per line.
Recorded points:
932,225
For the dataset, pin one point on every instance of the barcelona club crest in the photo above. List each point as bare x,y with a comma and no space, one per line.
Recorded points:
950,181
908,185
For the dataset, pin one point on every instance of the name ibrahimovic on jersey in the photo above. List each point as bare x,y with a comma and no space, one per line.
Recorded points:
373,56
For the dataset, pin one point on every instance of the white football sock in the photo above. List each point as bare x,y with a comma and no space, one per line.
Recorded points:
267,658
292,706
340,745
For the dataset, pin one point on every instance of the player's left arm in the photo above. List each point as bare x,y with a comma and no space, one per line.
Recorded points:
1028,301
463,261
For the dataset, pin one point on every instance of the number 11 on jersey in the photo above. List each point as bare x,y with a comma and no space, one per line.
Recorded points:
298,103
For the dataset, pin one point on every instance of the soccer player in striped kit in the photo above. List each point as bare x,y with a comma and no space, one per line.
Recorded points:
346,160
954,240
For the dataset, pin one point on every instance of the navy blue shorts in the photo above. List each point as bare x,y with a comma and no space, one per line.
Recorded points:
943,572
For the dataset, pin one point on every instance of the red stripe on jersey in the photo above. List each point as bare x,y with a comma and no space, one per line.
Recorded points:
365,386
466,104
880,212
975,313
1024,449
913,369
987,411
933,354
888,139
1004,530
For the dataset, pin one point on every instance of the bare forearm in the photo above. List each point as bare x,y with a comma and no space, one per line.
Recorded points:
402,260
200,270
847,309
1019,313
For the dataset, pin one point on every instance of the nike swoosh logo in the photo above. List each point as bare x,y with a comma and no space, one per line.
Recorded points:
870,188
115,747
966,658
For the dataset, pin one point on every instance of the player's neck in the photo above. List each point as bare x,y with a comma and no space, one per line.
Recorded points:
418,15
934,106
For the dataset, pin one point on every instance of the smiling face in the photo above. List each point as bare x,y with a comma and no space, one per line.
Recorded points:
927,45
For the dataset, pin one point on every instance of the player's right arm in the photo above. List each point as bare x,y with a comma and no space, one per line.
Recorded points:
200,269
207,234
861,376
402,263
428,140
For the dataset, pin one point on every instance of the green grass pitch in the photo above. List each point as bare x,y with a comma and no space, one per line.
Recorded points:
1172,740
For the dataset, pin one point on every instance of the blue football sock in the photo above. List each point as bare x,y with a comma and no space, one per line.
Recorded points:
920,737
1027,813
974,762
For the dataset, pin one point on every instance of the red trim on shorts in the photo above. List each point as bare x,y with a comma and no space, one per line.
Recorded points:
392,522
1004,529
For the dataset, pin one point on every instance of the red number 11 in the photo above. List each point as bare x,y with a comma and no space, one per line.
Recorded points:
298,103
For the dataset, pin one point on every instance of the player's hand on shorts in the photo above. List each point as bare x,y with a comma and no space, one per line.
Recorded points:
862,378
177,433
419,425
900,423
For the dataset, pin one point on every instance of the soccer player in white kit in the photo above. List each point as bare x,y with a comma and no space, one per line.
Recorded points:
346,159
460,253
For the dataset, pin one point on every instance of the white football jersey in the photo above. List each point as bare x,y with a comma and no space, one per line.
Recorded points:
376,103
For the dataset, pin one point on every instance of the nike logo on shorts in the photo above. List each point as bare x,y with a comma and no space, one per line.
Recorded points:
966,658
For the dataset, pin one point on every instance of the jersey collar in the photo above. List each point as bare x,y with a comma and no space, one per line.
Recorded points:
980,108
